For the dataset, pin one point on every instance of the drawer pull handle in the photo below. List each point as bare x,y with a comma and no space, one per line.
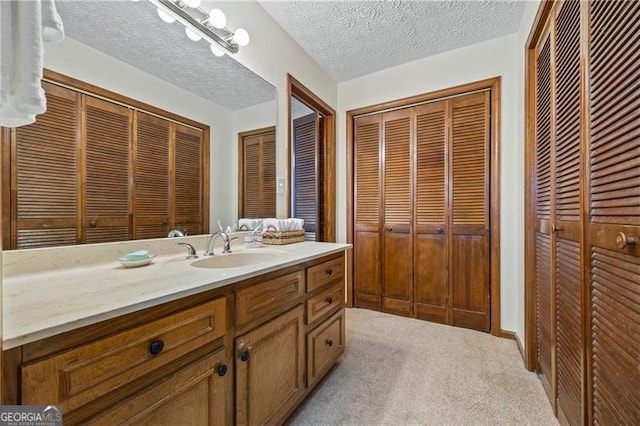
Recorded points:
221,370
156,347
329,300
329,272
244,355
623,240
329,342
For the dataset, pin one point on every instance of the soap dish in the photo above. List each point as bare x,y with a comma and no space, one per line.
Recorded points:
128,263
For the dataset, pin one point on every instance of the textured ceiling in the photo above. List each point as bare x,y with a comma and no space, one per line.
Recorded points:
133,33
349,39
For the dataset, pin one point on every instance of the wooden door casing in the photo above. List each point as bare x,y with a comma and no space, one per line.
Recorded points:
367,206
397,199
270,378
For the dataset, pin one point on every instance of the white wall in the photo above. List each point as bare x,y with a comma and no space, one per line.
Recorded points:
84,63
478,62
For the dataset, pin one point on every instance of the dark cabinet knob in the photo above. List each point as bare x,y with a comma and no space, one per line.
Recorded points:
329,342
244,355
439,230
329,300
221,370
329,272
156,347
93,223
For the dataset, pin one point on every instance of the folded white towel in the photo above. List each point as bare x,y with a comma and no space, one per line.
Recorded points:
249,224
290,224
24,25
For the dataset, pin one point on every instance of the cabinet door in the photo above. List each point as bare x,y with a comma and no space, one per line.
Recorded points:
469,233
397,200
566,229
366,248
46,158
151,201
430,256
270,369
542,181
196,395
106,136
614,205
188,185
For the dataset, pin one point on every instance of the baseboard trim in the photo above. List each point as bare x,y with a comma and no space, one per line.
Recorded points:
513,336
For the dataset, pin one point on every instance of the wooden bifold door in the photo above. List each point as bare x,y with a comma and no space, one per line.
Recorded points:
422,211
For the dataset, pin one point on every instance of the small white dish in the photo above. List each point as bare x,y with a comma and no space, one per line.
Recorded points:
135,263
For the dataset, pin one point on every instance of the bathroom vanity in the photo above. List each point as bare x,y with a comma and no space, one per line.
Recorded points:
170,343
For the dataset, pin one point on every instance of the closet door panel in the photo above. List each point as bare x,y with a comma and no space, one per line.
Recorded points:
397,193
614,175
188,179
430,252
545,317
46,158
107,136
367,241
152,143
566,228
469,232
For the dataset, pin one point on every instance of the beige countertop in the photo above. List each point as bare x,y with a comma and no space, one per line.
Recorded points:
51,291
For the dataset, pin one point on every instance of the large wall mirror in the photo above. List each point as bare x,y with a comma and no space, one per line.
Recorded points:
133,33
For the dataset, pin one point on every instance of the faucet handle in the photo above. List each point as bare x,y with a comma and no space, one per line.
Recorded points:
190,250
227,245
220,226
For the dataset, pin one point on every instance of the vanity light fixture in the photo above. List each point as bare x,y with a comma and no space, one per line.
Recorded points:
200,24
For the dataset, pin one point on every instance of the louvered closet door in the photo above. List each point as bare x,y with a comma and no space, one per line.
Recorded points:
367,280
46,155
268,173
469,230
614,173
430,244
188,179
305,185
397,192
259,180
151,142
545,318
106,137
566,228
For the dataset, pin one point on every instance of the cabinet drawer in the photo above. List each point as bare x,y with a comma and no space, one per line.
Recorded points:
324,345
324,302
83,374
269,297
325,273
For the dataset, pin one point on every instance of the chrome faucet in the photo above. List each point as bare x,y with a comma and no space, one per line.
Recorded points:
190,250
226,240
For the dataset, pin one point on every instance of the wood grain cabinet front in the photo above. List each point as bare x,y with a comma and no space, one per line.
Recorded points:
325,273
270,370
325,344
326,301
196,395
83,374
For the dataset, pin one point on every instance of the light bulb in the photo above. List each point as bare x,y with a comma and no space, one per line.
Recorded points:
193,3
165,16
217,19
241,36
192,34
217,51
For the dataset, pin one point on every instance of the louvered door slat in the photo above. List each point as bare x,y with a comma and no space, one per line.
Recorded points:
107,147
614,204
46,156
397,198
430,258
188,179
305,194
152,143
469,254
366,249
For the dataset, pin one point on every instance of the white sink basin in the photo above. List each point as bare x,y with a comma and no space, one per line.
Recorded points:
234,260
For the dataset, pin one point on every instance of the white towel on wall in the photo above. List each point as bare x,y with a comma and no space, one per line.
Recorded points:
24,25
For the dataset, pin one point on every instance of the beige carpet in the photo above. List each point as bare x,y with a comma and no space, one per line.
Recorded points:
400,371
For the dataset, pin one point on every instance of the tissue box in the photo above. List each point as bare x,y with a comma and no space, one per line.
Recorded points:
279,238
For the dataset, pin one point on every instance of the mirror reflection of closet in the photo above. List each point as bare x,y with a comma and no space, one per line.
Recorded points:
312,163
